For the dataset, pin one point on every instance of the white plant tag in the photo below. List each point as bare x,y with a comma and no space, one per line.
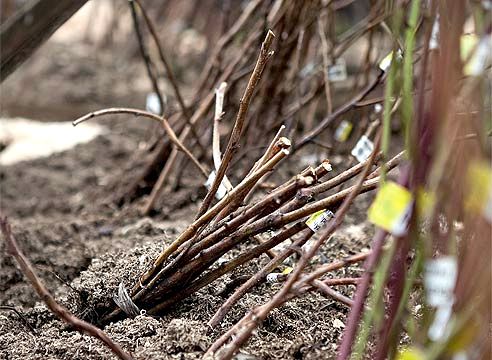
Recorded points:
481,57
152,103
338,71
386,62
273,278
440,279
434,39
439,327
440,276
363,149
221,191
319,219
343,131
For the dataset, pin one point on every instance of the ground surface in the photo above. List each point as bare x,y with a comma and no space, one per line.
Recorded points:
83,246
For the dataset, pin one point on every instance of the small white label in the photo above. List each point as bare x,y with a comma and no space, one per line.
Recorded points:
319,219
152,103
221,191
440,279
363,149
338,71
386,62
307,70
439,327
434,39
273,278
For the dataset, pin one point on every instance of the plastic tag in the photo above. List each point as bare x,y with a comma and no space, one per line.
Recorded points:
152,103
438,329
440,276
440,279
481,57
434,39
411,353
338,71
275,277
479,184
343,131
363,149
391,209
287,270
386,62
319,219
221,191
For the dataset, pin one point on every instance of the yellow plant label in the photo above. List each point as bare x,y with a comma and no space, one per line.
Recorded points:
479,185
343,131
411,353
287,270
391,209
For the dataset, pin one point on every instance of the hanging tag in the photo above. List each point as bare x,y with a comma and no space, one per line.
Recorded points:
434,39
319,219
481,57
411,353
386,62
440,279
221,191
287,270
343,131
363,149
479,186
440,276
273,278
337,71
152,103
391,208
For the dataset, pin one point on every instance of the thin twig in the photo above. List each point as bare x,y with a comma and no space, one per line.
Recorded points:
143,51
19,314
233,143
57,309
170,74
326,62
172,135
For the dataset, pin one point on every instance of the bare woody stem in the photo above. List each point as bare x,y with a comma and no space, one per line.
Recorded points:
363,287
170,74
191,230
233,143
172,135
143,51
259,314
44,294
198,114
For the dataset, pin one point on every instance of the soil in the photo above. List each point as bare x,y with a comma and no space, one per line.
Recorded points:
83,246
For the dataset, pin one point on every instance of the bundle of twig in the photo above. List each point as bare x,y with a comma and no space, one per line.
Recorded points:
187,264
297,80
